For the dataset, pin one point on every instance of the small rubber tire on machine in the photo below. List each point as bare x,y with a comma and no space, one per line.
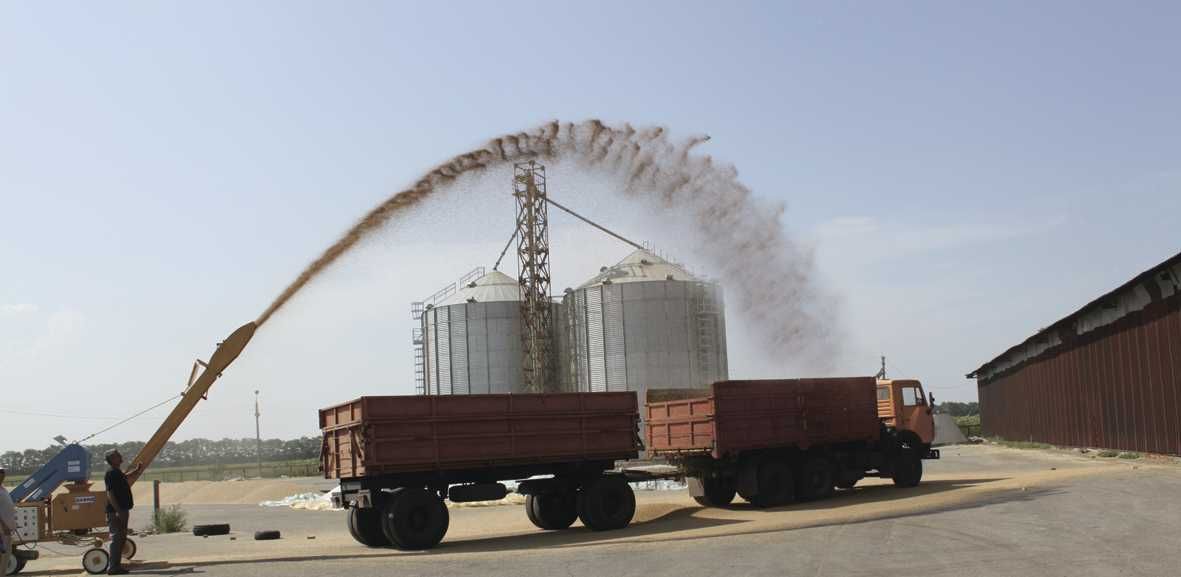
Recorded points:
552,511
908,468
814,479
14,565
775,483
719,492
606,503
211,530
270,535
95,561
129,549
365,527
414,519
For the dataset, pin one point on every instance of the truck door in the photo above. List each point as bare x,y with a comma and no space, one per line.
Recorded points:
916,415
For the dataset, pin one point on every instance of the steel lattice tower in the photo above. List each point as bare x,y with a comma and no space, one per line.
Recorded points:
533,275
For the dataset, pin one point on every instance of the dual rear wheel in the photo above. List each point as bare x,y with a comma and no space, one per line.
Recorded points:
412,519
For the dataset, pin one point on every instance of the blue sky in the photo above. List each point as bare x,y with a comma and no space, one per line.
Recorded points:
965,173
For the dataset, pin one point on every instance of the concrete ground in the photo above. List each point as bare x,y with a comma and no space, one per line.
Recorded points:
981,511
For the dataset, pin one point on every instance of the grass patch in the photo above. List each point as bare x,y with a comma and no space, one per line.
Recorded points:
1108,454
1022,444
171,519
1129,455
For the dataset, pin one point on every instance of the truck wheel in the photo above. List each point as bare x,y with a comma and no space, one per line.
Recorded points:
606,503
775,484
908,468
719,492
365,527
552,511
814,480
415,520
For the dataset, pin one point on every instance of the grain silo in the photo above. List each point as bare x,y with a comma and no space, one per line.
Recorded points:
645,323
469,340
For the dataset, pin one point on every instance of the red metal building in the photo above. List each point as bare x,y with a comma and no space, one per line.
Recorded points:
1108,375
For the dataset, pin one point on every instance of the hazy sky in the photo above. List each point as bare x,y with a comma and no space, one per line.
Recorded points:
965,173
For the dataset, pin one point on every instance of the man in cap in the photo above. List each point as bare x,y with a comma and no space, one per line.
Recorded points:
119,505
7,523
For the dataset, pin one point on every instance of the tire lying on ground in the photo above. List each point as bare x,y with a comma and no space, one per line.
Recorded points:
210,530
266,535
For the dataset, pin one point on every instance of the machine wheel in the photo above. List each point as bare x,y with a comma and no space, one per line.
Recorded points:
814,480
775,483
14,565
552,511
415,519
129,549
95,561
365,527
719,492
908,468
211,530
606,503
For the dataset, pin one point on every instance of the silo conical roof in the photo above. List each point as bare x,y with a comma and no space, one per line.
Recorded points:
492,287
641,266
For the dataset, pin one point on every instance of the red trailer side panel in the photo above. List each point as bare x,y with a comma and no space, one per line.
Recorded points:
376,435
736,416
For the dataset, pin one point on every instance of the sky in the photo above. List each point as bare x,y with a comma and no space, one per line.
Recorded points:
961,173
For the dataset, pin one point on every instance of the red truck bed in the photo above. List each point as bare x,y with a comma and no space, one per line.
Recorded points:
396,434
734,416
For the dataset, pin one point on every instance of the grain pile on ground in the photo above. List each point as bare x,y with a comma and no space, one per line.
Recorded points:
244,492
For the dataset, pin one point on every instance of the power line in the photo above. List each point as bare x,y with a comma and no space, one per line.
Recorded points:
166,401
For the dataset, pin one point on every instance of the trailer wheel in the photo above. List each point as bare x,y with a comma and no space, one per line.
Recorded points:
908,468
95,561
365,527
606,503
552,511
415,519
719,492
775,483
814,480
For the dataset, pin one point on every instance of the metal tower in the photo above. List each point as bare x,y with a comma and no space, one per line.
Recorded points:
533,275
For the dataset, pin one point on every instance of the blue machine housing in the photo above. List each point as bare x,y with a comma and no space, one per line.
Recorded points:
72,464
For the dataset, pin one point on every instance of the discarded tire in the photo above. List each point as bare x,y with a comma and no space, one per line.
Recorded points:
266,535
211,530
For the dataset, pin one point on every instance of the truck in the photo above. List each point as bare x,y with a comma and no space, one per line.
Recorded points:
399,458
777,441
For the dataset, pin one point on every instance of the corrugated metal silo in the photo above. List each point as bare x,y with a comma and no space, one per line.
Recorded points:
642,324
471,339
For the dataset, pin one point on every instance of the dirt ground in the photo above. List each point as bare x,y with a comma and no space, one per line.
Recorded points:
981,510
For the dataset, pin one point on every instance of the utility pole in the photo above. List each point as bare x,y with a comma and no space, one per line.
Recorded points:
882,372
533,275
257,435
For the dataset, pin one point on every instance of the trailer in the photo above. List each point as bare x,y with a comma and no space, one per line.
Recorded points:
777,441
398,458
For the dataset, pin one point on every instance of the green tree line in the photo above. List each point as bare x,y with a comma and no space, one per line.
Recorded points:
184,453
958,409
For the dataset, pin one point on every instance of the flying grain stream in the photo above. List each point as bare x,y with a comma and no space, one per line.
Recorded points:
741,238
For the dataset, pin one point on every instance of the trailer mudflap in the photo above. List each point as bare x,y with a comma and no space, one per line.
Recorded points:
932,454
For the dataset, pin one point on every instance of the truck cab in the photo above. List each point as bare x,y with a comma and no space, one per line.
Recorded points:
903,406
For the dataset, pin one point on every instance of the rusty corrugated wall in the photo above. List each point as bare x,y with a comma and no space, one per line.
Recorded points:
1117,387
